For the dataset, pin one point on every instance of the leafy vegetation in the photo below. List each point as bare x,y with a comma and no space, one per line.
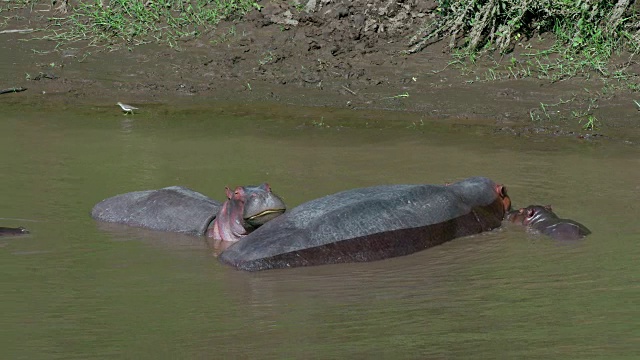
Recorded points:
477,24
586,34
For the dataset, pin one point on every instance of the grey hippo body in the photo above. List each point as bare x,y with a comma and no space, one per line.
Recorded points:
179,209
544,220
371,223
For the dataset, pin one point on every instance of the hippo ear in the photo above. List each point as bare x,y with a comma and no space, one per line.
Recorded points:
228,192
502,190
239,191
548,207
531,212
265,187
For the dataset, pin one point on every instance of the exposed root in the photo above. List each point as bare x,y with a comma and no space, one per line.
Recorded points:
62,8
474,24
616,14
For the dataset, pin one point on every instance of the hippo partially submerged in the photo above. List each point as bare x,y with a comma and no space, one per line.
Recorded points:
9,231
371,224
544,220
246,208
179,209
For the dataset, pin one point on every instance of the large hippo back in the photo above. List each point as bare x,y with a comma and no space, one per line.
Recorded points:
174,208
370,224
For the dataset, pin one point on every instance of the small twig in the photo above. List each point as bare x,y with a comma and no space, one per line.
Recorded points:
21,31
349,90
405,95
444,68
12,90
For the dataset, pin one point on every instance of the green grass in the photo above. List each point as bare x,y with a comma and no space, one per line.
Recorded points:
8,5
500,24
130,23
586,35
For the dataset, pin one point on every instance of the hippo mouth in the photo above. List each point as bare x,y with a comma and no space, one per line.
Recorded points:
264,216
515,215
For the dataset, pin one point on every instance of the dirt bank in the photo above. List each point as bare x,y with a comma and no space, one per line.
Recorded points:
321,53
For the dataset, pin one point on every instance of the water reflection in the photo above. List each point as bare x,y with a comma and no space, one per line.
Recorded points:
126,125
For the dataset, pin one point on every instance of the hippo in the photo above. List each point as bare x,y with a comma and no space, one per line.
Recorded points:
544,220
8,231
179,209
370,224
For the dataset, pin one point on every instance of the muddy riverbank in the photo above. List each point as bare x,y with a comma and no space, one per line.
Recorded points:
329,54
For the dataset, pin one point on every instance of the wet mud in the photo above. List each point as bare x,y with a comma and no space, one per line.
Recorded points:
318,53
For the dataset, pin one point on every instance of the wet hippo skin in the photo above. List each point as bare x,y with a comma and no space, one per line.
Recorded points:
544,220
179,209
371,224
246,208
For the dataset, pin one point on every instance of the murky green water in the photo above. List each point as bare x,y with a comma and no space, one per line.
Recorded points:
77,289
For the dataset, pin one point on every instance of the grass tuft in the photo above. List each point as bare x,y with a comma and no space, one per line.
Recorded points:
585,34
118,23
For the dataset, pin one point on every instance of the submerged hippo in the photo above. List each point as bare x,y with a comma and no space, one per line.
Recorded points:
543,219
178,209
371,224
8,231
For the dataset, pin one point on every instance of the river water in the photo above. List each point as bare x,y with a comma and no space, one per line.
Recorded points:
76,289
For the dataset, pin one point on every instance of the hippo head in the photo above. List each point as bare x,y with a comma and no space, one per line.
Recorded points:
485,186
531,214
260,204
543,219
246,208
